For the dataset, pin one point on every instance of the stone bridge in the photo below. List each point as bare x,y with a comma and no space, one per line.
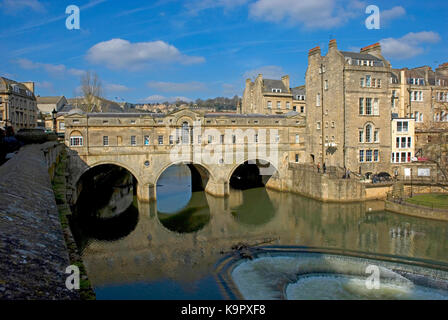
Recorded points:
213,145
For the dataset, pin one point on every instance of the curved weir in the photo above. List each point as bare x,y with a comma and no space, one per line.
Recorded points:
297,275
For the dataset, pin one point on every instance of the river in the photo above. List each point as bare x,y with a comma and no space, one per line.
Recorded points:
169,249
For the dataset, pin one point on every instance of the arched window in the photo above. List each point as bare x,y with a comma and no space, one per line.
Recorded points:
185,133
76,139
368,133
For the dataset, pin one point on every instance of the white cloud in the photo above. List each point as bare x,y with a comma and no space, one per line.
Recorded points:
322,14
408,46
177,87
53,69
395,12
15,6
112,87
159,99
268,72
122,54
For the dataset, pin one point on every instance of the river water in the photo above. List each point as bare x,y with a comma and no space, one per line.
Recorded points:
170,249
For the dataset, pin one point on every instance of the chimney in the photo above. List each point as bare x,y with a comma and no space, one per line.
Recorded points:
332,44
314,51
259,78
373,49
285,80
29,85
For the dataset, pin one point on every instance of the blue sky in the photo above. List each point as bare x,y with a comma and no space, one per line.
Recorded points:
146,51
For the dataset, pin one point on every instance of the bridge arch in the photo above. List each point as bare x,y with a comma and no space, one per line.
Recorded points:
265,168
106,162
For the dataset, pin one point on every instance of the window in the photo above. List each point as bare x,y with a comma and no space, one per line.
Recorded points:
375,155
369,156
132,121
199,139
403,157
133,141
376,137
222,139
105,141
277,90
378,83
361,82
332,124
403,142
368,106
318,100
409,142
256,138
326,85
368,133
376,107
146,139
393,157
302,109
297,138
397,143
160,140
279,104
361,155
402,126
76,141
269,104
318,125
361,136
210,139
61,125
368,81
233,139
171,139
361,105
297,157
288,105
416,95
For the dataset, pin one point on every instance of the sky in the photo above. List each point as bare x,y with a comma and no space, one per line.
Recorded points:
153,51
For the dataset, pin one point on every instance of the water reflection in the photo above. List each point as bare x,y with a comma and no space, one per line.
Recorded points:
152,253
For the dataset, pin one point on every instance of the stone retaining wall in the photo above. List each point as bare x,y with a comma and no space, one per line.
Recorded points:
33,254
416,211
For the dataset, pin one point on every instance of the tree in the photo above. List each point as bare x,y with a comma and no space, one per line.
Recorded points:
92,89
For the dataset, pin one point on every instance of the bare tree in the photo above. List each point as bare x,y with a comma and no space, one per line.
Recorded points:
92,89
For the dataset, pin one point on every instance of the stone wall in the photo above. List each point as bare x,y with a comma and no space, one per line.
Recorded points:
304,180
33,253
417,211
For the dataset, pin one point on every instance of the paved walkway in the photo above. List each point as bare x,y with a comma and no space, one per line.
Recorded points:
33,255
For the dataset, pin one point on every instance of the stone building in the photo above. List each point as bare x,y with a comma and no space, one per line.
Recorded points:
17,104
348,109
269,96
46,105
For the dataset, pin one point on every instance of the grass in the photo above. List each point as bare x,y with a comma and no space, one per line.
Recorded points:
432,200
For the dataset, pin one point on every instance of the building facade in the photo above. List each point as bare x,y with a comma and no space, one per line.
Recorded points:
18,106
46,105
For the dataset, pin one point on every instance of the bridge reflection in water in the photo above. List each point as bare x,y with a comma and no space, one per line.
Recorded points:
169,249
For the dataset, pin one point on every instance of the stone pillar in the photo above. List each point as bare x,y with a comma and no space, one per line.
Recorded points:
218,189
146,192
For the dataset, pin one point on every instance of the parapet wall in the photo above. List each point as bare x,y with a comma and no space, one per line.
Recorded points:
33,254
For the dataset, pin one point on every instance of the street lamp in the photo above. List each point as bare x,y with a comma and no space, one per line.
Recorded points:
53,115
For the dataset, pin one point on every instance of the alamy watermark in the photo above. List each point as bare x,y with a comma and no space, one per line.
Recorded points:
373,280
73,21
211,147
373,21
72,282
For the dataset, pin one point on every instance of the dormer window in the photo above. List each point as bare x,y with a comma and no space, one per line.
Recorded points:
276,90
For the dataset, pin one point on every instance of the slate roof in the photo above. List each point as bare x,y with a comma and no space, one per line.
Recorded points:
269,84
298,91
363,56
49,100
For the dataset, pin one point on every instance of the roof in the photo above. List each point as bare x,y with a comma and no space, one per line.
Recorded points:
7,84
49,100
269,84
363,56
298,90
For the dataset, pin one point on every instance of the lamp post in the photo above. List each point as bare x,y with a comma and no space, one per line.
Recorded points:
53,115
